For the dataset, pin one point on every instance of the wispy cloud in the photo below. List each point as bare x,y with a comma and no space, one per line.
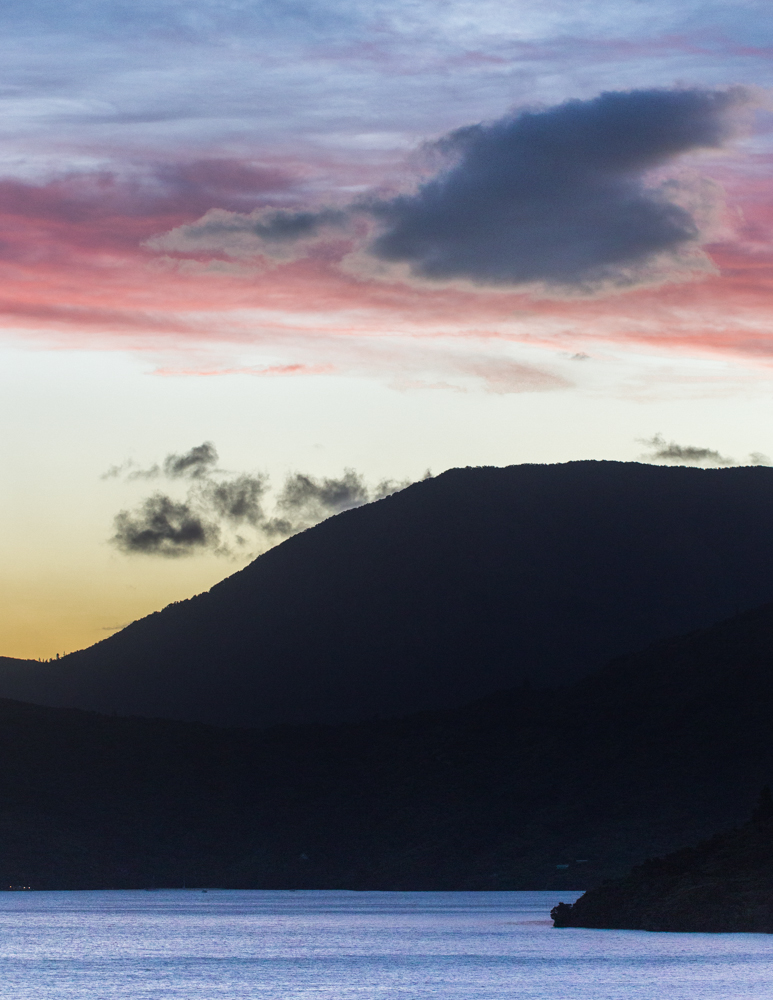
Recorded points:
198,463
280,235
661,450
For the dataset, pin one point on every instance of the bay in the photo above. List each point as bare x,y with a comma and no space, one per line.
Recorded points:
331,945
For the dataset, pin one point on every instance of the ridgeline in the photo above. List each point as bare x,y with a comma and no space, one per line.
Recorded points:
454,588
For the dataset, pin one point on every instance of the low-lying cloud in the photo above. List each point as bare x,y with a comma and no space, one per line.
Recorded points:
305,500
661,450
562,198
230,513
237,501
161,526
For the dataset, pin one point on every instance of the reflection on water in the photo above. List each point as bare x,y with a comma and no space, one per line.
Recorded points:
186,944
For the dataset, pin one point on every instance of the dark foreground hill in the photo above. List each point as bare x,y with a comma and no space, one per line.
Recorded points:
725,884
526,789
447,591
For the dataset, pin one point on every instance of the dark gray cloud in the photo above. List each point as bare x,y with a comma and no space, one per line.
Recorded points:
214,508
559,196
162,526
239,500
305,500
193,464
301,492
198,463
128,470
669,451
282,226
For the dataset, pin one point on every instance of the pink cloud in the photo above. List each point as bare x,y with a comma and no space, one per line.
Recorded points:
74,272
270,371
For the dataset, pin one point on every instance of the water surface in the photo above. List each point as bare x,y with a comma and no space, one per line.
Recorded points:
188,944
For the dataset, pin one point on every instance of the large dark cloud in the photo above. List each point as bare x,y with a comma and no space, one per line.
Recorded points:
558,196
564,198
217,508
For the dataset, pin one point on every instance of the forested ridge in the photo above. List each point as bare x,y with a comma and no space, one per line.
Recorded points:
452,589
653,752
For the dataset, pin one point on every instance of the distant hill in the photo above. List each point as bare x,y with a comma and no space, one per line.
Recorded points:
523,789
444,592
724,884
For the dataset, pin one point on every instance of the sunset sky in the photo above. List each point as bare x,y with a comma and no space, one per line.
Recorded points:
248,245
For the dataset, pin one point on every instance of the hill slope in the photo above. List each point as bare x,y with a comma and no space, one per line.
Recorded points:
725,884
525,789
451,589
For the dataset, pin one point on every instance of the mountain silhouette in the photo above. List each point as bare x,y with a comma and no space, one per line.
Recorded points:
449,590
524,789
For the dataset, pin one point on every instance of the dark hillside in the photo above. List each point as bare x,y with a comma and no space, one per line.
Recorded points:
451,589
524,789
724,885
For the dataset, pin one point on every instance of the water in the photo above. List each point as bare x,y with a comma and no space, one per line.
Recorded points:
184,945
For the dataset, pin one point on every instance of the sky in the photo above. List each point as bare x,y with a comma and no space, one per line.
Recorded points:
262,261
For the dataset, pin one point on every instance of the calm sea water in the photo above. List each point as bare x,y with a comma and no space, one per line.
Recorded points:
346,945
